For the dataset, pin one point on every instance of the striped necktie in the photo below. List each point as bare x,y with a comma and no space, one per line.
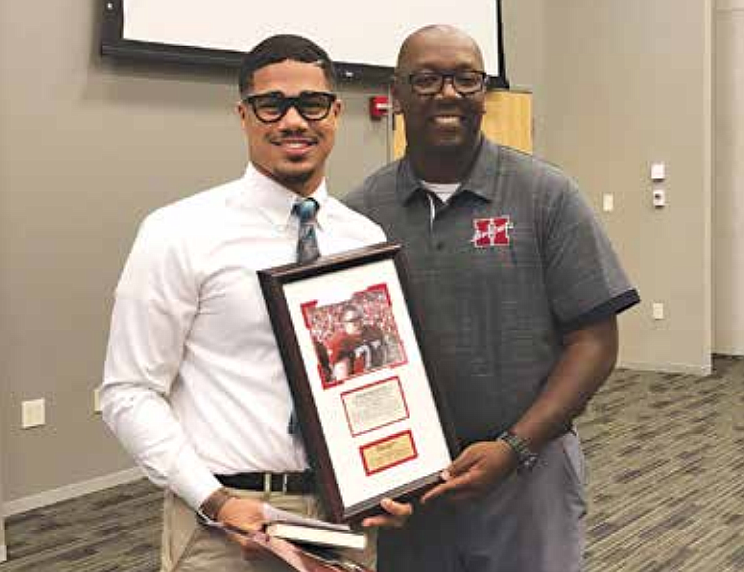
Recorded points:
307,242
307,251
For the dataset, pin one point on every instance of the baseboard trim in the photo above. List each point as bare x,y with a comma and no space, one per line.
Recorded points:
71,491
699,370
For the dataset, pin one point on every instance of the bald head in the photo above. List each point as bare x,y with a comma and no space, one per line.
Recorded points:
440,90
432,39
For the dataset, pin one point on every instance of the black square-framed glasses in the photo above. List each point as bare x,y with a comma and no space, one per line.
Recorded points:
464,82
272,106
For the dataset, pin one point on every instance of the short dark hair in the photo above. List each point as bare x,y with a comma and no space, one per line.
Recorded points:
351,313
279,48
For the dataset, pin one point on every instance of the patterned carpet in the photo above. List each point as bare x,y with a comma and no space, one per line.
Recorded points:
666,456
116,530
666,461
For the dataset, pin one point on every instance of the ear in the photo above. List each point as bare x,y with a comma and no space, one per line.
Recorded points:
394,91
338,107
241,111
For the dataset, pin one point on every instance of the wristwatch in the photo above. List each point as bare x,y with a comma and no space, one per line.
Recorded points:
211,507
526,458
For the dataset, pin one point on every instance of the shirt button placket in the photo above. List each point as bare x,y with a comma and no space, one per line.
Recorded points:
436,238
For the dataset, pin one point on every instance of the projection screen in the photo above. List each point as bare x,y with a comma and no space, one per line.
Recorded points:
362,38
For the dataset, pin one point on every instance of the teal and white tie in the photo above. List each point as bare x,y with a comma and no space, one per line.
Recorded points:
307,251
307,241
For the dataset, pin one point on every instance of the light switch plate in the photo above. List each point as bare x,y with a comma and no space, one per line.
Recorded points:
33,413
97,400
658,172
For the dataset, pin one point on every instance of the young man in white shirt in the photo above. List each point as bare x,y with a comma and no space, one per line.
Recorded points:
194,385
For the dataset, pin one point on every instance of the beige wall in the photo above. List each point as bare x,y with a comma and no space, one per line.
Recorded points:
362,145
88,147
728,196
627,83
525,49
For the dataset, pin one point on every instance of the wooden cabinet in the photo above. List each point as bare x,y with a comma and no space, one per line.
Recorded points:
508,121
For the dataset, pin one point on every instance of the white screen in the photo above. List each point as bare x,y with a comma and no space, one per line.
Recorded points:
351,32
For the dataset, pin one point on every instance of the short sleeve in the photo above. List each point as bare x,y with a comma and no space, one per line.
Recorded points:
584,278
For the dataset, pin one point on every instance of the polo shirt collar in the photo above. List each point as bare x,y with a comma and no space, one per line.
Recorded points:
477,181
274,201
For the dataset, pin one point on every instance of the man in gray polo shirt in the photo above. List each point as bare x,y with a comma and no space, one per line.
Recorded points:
519,289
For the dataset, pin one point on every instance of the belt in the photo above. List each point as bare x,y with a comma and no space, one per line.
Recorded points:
293,483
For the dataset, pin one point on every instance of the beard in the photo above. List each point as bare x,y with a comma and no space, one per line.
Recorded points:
291,178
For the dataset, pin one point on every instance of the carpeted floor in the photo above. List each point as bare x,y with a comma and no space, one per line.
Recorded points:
666,455
666,461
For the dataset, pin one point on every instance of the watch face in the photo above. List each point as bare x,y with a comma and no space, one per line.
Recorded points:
527,463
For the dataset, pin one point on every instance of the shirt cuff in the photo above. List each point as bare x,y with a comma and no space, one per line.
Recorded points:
191,480
602,312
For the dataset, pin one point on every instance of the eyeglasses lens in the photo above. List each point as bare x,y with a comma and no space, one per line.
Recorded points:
312,106
431,83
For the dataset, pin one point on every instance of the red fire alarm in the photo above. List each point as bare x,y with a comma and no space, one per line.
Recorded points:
379,105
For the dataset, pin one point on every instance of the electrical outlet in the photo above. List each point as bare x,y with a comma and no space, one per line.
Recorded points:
97,400
608,202
657,310
659,198
33,413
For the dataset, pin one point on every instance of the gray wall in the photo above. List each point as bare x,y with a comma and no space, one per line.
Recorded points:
525,54
728,203
628,83
88,147
617,86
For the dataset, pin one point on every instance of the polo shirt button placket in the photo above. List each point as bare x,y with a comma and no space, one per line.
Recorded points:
436,242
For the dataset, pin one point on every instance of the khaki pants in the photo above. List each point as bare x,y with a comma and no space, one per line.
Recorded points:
188,546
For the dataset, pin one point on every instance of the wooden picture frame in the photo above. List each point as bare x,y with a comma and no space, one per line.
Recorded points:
371,414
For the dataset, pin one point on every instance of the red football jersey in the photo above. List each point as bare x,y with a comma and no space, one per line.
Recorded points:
364,351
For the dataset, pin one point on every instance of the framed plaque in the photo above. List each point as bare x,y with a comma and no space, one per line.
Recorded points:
371,414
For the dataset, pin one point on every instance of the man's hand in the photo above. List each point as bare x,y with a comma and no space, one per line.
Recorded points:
397,514
246,514
477,470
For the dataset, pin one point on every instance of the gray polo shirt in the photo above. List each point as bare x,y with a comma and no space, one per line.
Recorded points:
511,262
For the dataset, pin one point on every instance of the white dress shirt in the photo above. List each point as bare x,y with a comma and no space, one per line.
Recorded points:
193,380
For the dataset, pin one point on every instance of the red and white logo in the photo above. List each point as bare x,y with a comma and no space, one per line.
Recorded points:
490,232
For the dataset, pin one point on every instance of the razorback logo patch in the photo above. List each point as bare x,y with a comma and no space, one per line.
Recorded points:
491,232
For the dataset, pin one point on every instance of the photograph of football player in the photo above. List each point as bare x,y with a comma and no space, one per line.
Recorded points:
324,364
354,336
357,347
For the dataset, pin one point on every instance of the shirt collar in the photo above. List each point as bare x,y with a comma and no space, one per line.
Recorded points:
477,181
276,201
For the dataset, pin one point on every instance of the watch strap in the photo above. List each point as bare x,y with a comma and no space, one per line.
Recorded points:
526,458
214,503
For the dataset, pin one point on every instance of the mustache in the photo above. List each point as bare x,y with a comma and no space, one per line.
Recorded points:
293,135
